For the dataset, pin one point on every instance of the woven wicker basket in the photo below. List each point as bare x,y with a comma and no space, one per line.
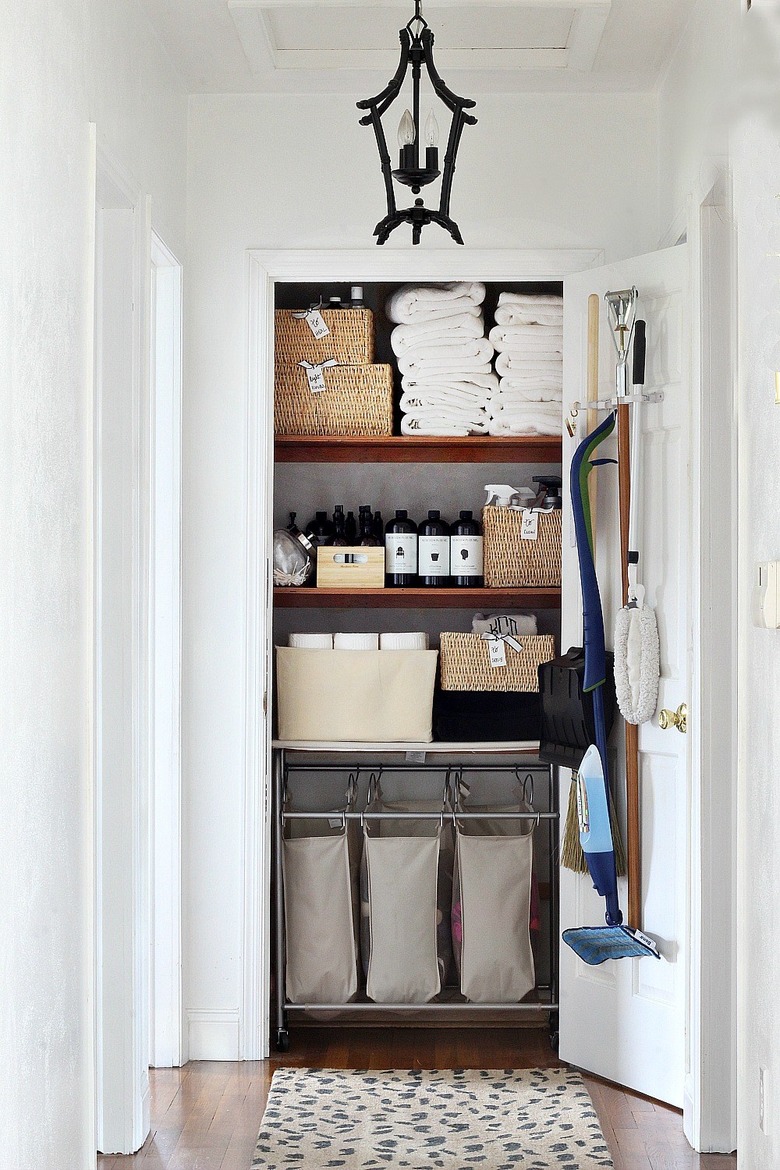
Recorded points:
357,400
512,561
350,341
465,663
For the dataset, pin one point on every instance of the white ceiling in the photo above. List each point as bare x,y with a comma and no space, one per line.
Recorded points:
481,46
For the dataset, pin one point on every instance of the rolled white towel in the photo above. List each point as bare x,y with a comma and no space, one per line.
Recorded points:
527,338
356,641
403,641
511,363
470,380
441,421
425,302
458,357
311,641
405,337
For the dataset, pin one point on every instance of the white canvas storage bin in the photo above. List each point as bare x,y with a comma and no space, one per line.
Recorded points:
367,696
320,874
491,908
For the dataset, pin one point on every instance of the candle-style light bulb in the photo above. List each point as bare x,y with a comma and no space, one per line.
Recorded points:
431,130
406,130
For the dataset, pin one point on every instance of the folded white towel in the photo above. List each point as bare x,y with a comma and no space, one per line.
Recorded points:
526,338
418,303
444,421
514,363
535,300
511,395
457,357
463,325
532,377
469,381
440,396
537,418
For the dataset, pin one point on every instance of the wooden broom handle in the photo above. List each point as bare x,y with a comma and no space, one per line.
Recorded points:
633,854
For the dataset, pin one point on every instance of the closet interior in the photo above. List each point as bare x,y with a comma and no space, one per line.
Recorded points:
352,795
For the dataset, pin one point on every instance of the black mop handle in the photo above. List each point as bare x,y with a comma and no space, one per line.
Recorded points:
640,352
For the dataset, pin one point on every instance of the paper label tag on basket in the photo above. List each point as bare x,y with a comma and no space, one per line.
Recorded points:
530,527
335,822
315,374
497,652
316,322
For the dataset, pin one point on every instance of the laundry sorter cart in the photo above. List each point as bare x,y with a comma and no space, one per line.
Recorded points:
331,834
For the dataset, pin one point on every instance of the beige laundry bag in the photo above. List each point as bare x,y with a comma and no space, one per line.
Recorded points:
491,909
321,913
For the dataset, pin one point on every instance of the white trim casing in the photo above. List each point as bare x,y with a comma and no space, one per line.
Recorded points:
710,1089
264,269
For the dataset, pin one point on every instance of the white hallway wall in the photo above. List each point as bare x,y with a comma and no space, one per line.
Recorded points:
757,194
64,65
295,172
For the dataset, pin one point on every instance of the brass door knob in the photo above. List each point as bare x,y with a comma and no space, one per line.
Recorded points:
678,719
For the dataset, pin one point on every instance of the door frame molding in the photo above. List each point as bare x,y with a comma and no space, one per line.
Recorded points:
710,1121
264,269
116,190
710,1010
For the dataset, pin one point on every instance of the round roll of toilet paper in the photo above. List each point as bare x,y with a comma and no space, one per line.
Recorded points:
356,641
415,641
311,641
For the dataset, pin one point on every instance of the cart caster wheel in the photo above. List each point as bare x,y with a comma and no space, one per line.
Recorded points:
283,1040
554,1041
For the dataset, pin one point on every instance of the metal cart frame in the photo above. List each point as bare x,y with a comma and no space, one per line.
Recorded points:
546,1007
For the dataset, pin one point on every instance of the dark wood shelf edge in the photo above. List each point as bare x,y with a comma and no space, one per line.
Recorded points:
419,598
414,449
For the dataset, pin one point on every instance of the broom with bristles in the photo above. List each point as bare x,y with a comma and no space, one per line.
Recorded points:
572,856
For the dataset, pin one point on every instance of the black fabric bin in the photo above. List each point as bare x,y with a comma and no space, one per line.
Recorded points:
485,716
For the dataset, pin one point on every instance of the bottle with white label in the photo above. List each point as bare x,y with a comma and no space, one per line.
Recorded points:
400,551
466,552
433,551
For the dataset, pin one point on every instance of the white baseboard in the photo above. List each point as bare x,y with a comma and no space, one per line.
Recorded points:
212,1034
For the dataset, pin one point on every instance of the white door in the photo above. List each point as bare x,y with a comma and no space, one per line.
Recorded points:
625,1019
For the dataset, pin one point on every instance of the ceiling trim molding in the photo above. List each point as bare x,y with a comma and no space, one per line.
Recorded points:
578,54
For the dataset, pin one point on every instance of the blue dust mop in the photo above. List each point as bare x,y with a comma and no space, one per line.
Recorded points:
596,944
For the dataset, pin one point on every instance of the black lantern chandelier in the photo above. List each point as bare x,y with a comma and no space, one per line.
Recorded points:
417,50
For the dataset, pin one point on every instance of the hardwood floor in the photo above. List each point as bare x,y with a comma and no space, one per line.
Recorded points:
206,1115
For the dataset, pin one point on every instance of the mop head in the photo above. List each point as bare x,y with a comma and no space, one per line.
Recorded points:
596,944
637,663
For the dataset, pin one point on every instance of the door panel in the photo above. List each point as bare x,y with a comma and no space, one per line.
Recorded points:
625,1020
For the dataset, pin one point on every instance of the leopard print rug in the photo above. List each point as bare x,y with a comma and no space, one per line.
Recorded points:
532,1119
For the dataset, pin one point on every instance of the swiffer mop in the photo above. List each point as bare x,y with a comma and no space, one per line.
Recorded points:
595,944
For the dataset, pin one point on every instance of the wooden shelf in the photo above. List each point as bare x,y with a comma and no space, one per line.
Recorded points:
415,449
305,597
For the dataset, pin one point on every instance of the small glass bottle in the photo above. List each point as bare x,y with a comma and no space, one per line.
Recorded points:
350,528
400,552
339,522
378,526
466,552
367,538
433,551
320,530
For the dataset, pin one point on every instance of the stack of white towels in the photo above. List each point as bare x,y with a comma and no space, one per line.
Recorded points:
444,359
528,335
